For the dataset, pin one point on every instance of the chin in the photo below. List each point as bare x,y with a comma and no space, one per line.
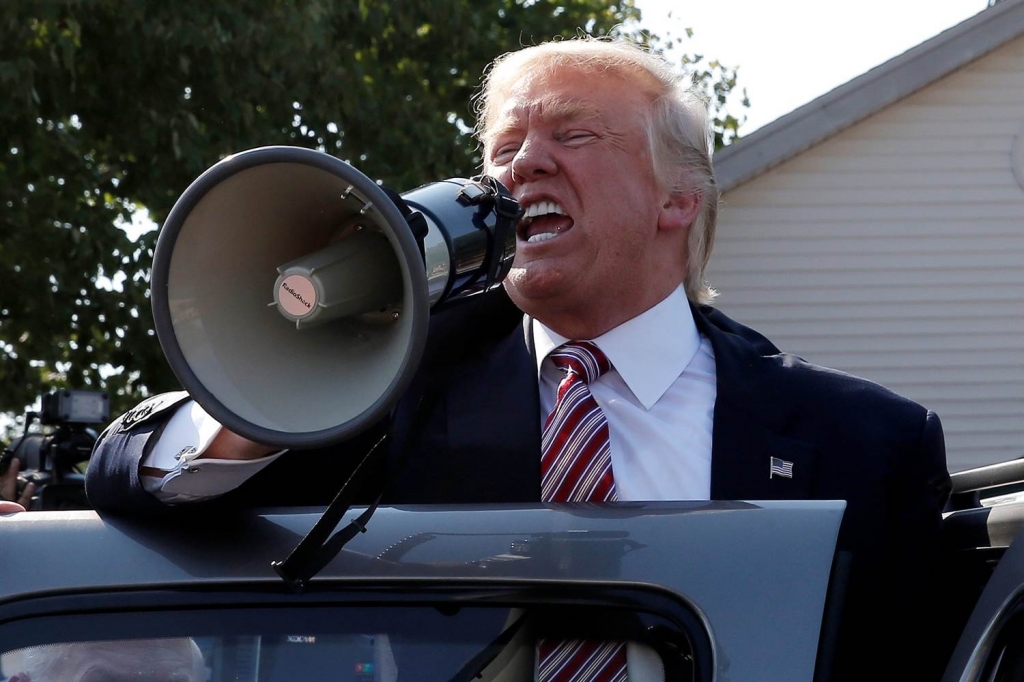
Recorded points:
543,298
528,283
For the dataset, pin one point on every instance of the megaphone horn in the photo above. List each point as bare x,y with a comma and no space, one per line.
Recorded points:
291,293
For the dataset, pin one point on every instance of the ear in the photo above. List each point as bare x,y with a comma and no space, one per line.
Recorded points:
679,210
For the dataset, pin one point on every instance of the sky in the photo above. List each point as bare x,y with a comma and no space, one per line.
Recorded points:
791,51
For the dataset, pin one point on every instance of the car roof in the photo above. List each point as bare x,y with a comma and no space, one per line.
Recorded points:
741,567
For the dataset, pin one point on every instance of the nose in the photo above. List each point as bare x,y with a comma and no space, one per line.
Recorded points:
533,160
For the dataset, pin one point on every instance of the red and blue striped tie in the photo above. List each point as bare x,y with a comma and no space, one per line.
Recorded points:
576,466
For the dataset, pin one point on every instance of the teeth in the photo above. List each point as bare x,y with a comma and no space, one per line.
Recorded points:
543,208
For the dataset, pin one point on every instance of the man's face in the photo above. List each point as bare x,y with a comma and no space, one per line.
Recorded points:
572,148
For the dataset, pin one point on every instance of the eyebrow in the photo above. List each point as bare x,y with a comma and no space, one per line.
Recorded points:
550,107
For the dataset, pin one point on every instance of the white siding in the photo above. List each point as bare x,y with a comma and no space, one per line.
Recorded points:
895,251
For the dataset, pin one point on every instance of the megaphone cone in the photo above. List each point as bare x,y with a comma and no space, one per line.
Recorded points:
291,297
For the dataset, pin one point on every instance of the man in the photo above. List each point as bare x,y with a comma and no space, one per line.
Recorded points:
610,155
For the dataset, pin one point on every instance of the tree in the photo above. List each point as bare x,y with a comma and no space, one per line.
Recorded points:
111,109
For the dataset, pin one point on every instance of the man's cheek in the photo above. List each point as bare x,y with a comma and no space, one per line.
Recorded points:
500,173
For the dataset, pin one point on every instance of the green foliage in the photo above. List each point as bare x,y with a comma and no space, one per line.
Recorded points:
113,106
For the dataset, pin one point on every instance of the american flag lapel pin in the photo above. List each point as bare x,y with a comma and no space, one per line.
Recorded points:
780,467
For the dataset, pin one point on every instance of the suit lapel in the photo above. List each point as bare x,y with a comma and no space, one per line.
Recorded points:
494,424
752,414
743,452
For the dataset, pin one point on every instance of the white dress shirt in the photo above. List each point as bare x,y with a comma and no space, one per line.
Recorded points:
659,400
188,434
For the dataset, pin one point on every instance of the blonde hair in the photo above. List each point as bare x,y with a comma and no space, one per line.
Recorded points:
678,127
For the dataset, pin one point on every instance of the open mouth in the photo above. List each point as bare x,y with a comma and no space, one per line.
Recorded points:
543,221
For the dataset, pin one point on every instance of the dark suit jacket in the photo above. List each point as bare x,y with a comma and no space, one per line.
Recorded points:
468,430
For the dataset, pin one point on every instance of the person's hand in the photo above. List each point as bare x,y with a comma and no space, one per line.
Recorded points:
10,507
229,445
9,499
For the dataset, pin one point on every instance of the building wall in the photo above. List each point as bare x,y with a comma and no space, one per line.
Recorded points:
895,251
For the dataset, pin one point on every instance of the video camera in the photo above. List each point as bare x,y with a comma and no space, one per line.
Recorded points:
51,460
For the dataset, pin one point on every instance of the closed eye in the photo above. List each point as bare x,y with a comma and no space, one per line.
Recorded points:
576,137
504,153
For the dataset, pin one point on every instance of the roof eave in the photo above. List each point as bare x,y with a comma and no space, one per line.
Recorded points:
869,93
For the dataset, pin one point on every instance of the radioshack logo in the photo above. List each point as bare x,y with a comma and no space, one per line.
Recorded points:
297,295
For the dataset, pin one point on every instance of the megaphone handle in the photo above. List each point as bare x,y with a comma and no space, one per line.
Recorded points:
505,220
311,555
487,192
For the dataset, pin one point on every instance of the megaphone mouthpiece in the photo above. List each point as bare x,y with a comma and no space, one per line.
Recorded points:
357,274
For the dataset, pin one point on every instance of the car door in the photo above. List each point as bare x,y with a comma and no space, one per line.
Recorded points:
696,590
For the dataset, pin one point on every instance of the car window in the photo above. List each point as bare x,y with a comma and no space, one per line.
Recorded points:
442,641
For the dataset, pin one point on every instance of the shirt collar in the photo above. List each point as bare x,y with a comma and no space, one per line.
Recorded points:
649,351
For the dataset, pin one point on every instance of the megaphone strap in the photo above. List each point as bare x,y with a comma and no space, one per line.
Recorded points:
314,551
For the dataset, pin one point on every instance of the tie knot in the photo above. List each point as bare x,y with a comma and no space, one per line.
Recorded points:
582,358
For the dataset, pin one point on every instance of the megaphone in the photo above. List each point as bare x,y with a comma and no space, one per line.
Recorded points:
291,293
